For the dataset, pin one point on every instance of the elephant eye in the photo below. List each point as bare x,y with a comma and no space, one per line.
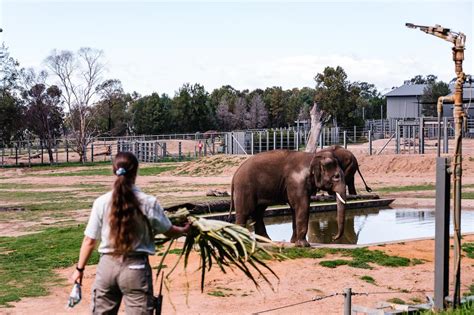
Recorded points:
336,177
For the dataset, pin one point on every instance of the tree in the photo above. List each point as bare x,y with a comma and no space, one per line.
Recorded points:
420,79
338,97
191,109
151,114
258,114
11,108
225,117
370,101
430,96
79,75
275,102
44,114
112,116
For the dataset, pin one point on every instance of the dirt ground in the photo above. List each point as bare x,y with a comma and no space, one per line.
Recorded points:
300,279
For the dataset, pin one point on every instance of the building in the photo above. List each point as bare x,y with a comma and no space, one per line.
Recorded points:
405,101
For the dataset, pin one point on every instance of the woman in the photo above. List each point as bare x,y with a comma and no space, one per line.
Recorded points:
125,220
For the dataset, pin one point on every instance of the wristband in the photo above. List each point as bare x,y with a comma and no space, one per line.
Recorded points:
80,269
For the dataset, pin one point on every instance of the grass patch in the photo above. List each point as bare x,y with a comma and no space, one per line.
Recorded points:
465,309
334,263
299,252
88,172
99,171
396,301
58,206
467,195
155,170
217,293
416,300
47,166
27,262
368,279
406,188
468,248
361,257
416,261
176,251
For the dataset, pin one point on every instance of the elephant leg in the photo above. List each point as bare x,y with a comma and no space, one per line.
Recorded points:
351,186
301,205
259,224
243,209
293,221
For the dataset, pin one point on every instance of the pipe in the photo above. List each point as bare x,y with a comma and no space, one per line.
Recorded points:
441,100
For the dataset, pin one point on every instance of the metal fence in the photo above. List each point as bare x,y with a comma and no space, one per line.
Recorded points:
399,136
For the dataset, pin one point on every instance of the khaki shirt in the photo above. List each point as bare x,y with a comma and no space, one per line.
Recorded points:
98,225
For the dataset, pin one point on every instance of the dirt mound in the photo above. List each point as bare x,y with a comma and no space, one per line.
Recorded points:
410,165
213,165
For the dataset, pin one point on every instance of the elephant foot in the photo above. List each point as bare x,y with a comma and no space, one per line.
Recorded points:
293,239
302,243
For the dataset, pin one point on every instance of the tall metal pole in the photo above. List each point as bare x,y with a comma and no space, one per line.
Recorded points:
458,39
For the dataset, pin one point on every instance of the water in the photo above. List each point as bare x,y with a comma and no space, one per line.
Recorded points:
367,226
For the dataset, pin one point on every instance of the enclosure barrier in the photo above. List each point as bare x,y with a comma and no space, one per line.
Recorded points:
349,308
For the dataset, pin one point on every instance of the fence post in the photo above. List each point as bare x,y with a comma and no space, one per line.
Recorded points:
321,140
296,136
16,154
164,150
251,142
259,141
397,138
281,138
67,151
345,139
180,153
355,134
274,140
446,137
41,148
288,138
421,134
29,152
92,152
347,301
443,179
3,152
370,142
268,140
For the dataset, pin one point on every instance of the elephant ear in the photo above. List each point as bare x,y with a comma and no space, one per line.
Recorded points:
327,163
315,167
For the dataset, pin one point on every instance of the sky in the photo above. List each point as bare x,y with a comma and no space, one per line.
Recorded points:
155,46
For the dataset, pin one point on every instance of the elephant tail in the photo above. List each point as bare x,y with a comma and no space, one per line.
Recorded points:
229,217
367,188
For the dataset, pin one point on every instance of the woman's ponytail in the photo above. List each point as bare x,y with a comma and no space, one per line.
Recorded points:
126,217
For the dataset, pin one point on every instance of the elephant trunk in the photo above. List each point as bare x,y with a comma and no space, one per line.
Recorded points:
341,208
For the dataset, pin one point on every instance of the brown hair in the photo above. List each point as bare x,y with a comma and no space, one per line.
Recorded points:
127,221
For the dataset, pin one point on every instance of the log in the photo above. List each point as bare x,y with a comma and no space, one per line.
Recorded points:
224,205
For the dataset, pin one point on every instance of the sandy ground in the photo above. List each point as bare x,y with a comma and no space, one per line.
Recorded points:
300,280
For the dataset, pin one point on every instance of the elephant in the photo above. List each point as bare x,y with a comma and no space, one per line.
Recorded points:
348,162
284,176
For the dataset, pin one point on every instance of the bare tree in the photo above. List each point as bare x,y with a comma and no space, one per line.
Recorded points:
318,118
242,116
258,114
79,76
225,117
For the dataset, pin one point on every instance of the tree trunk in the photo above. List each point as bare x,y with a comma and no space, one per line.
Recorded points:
317,117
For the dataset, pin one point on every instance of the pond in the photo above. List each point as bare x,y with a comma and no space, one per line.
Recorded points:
366,226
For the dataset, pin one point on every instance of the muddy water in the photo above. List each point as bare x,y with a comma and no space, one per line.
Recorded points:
367,226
